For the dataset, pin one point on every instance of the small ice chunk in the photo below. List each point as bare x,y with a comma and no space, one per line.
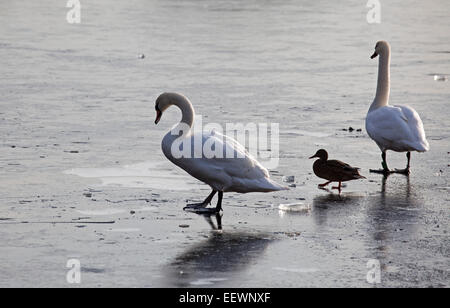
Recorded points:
440,78
288,178
295,207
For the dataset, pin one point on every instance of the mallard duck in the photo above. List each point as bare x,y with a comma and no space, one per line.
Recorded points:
333,170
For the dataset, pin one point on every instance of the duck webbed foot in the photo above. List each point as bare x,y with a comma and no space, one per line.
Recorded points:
339,187
324,184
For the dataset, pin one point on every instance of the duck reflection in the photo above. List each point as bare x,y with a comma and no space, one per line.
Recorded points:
216,258
333,205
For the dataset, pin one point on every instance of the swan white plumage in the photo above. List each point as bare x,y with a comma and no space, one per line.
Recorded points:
397,128
239,173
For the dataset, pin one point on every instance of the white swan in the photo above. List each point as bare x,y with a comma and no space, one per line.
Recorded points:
240,174
396,128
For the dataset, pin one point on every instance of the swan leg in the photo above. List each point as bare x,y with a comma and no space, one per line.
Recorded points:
406,170
203,204
201,208
209,210
324,184
385,169
219,202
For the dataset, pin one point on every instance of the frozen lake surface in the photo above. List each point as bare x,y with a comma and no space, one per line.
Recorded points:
82,174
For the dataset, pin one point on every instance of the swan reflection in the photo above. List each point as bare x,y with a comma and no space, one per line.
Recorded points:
217,258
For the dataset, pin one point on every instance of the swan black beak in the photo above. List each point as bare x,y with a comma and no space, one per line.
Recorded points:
158,116
374,55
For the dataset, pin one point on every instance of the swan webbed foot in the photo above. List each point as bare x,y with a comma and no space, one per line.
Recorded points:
193,206
203,210
402,171
201,205
381,171
385,171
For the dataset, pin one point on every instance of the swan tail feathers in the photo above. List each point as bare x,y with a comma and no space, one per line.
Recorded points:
263,184
421,146
274,186
425,146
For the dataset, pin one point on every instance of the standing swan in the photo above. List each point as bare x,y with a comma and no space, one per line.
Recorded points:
233,169
396,128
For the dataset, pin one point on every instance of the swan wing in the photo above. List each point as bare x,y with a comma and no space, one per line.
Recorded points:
397,128
224,164
416,128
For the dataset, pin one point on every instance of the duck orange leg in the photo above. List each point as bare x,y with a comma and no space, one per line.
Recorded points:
324,184
338,187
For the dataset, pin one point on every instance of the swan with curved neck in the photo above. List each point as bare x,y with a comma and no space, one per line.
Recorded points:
397,128
240,173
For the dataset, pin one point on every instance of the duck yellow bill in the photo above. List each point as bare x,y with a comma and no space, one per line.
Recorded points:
158,116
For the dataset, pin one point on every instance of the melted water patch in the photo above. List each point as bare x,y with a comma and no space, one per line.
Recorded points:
141,175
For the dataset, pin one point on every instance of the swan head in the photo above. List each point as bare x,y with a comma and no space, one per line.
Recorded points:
321,154
381,48
164,101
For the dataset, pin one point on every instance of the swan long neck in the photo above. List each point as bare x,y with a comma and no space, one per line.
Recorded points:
187,111
383,83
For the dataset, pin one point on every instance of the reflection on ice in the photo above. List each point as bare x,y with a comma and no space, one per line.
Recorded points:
213,260
104,212
296,270
206,281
